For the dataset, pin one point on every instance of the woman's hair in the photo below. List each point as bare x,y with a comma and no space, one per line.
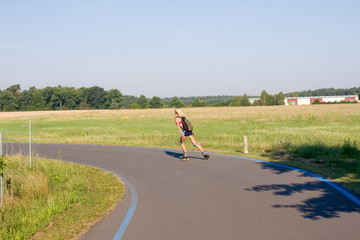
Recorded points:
179,112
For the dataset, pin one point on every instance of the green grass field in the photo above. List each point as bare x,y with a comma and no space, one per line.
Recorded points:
217,129
320,138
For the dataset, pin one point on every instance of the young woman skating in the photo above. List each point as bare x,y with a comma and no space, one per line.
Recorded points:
179,117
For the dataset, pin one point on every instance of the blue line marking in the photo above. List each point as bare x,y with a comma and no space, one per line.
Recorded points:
133,203
130,212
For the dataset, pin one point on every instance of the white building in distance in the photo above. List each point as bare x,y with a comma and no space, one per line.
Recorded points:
321,99
311,100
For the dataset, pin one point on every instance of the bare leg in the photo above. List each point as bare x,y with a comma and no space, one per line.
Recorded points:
192,139
185,156
182,139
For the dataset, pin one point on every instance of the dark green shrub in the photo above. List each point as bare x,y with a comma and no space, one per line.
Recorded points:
313,150
350,149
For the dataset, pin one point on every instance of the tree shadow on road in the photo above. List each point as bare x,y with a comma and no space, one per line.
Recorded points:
329,203
279,169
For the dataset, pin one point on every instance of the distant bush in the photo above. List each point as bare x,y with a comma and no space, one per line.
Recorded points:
134,106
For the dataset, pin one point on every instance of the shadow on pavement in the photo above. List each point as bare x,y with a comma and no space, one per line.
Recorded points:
178,155
329,203
279,169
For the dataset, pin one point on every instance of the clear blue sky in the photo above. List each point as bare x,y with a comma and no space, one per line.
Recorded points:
181,48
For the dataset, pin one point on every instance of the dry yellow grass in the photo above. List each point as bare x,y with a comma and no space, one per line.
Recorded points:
260,113
35,114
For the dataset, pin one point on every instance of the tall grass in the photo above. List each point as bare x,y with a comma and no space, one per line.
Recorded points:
54,199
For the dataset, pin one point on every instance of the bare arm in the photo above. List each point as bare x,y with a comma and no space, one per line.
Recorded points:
179,126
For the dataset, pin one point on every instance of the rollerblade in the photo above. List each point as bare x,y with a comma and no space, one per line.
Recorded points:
185,157
206,156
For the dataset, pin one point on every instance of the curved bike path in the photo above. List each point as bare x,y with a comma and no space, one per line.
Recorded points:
222,198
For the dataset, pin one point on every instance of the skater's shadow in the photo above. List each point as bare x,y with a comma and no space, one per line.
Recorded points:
178,155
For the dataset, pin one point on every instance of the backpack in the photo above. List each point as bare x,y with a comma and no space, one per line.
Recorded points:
186,124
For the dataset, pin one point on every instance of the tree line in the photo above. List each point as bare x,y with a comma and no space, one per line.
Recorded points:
70,98
59,98
326,92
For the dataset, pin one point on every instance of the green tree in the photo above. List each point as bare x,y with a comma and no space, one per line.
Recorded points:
156,102
96,97
236,101
245,100
114,104
295,94
83,98
143,102
64,98
25,100
58,98
31,100
176,103
7,102
269,100
14,90
280,99
47,95
263,97
115,99
198,103
71,98
129,99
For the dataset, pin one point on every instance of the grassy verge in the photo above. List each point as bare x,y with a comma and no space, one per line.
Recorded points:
55,199
310,137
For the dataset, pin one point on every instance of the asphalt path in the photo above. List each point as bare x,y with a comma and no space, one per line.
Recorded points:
220,198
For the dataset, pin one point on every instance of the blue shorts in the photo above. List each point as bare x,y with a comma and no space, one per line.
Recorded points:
188,133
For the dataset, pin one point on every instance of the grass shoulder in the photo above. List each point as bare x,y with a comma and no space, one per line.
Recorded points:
55,199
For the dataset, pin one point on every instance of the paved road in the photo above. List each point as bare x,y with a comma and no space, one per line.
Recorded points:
222,198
